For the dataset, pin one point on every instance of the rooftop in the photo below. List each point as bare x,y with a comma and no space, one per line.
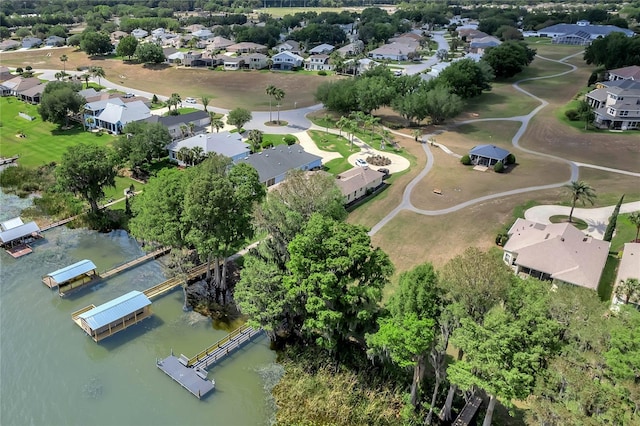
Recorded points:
279,160
18,232
489,151
72,271
115,309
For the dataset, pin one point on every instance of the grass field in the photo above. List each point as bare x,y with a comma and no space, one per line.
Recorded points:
334,143
44,142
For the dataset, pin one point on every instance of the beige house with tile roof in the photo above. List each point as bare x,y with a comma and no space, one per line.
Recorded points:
557,252
629,268
356,182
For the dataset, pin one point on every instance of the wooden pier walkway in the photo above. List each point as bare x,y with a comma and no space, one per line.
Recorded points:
149,256
191,373
174,282
10,160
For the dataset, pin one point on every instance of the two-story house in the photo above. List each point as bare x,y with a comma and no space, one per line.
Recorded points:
317,63
286,60
616,105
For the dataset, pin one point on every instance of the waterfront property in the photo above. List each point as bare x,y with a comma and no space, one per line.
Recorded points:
15,236
72,277
109,318
557,252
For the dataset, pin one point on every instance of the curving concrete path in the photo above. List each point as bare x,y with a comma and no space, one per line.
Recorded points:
596,218
524,123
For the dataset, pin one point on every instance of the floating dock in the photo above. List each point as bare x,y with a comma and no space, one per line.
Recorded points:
191,373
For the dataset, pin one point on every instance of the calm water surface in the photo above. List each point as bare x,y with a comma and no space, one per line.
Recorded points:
52,373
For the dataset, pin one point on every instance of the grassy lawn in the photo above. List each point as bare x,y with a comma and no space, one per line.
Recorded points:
625,233
334,143
183,111
276,139
44,142
561,218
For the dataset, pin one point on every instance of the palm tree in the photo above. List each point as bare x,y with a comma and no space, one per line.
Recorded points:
342,123
192,127
278,96
627,289
634,218
59,75
197,155
271,90
184,155
205,102
183,130
86,77
64,59
217,123
580,191
174,100
371,121
98,72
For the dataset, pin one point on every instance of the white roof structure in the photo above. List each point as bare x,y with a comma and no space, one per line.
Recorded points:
11,223
560,250
223,143
119,112
18,232
323,48
115,309
630,264
72,271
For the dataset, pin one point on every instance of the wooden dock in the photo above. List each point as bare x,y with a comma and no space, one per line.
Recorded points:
135,262
468,413
58,223
174,282
75,316
191,373
4,161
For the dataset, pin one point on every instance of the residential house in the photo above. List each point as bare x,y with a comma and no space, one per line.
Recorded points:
351,49
357,182
203,34
274,164
89,93
629,268
16,85
5,74
247,47
468,34
616,105
117,36
167,39
54,41
256,61
29,42
223,143
324,48
31,95
581,33
157,33
393,51
219,43
194,27
317,63
197,59
183,125
480,45
139,33
626,73
113,114
233,63
488,155
438,68
557,252
359,66
286,61
289,46
407,38
9,45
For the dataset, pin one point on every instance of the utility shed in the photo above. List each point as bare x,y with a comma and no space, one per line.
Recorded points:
72,276
115,315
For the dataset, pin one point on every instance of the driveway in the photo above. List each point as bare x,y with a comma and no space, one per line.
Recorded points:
597,219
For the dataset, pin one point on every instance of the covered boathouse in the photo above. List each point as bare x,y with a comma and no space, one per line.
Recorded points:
107,319
15,236
71,277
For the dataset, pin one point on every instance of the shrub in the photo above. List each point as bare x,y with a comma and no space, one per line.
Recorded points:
378,160
572,114
498,167
322,72
290,139
19,70
466,160
501,239
154,99
511,159
267,144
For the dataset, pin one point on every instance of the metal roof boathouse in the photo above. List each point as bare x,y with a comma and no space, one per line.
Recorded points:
71,277
15,236
114,316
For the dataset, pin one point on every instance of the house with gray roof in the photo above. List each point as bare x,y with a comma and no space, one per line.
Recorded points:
322,48
627,73
183,125
289,46
223,143
480,45
581,33
274,164
558,252
29,42
9,45
285,61
54,41
219,43
616,104
32,94
139,33
393,51
487,155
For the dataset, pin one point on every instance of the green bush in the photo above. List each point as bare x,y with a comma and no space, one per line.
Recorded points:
498,167
289,139
511,159
466,160
322,72
267,144
572,114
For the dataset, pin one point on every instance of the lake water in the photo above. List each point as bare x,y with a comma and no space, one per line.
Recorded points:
53,373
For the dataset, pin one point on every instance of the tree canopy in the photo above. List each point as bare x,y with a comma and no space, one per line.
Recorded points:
59,100
616,50
96,43
127,46
149,53
509,58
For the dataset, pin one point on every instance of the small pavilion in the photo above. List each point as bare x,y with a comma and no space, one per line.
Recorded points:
109,318
15,236
487,155
71,277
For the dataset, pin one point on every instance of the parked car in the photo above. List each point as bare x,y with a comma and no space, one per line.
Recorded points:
397,73
190,100
129,95
361,163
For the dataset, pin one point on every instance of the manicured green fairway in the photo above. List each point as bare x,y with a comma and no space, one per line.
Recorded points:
44,142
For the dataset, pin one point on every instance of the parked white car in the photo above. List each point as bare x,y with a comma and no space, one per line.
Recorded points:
362,163
190,100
